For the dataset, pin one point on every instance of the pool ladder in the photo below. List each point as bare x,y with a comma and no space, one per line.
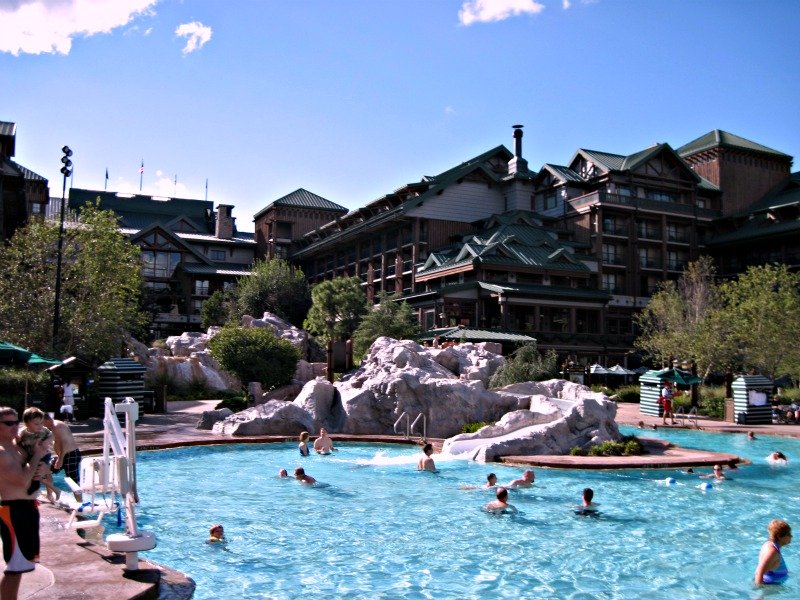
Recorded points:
692,414
410,427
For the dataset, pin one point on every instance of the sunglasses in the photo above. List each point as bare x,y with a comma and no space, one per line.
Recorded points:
10,423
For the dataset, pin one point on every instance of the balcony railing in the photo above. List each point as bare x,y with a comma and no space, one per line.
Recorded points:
650,263
679,238
613,259
644,204
676,265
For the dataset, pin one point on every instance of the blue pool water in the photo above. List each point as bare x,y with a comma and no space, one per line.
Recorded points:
382,530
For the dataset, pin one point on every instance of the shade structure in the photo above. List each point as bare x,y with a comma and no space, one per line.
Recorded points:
598,370
11,354
678,376
42,361
619,370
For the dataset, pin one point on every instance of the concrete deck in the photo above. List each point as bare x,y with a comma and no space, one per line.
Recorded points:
72,568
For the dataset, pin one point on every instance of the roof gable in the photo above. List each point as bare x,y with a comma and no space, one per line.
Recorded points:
659,160
302,198
719,138
166,240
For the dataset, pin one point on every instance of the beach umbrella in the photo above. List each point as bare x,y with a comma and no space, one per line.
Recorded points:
598,370
678,376
619,370
40,361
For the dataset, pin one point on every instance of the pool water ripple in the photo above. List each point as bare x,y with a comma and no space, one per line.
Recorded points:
382,530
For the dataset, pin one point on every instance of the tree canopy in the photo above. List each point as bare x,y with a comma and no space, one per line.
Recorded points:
100,287
277,287
751,322
389,318
526,363
337,306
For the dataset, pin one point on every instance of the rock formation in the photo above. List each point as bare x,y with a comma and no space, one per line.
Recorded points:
448,386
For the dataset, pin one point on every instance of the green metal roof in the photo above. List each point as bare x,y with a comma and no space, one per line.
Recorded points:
785,193
547,291
470,334
302,198
564,173
611,162
717,137
512,240
760,226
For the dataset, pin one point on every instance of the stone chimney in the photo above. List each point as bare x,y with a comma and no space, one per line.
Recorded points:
517,164
225,222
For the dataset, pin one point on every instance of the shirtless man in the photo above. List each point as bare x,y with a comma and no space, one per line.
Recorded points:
68,455
426,462
19,514
323,444
525,481
501,504
300,475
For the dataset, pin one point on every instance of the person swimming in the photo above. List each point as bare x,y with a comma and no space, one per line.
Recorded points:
300,475
588,507
216,534
303,445
777,458
772,567
500,505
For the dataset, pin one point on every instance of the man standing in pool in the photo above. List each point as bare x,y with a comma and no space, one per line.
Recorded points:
19,513
426,462
525,481
500,505
323,444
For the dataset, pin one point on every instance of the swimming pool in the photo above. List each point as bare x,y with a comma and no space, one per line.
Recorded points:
382,530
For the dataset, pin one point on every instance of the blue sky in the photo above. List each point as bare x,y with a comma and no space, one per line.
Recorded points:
351,99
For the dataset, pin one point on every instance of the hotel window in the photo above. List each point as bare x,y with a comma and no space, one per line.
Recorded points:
550,199
660,196
676,261
648,229
197,306
624,190
217,255
649,258
610,255
612,282
676,233
613,226
201,287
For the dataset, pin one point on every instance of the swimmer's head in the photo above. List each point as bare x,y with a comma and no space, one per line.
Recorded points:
502,494
690,470
778,529
588,494
323,432
528,475
283,473
778,456
428,449
304,436
216,531
491,479
299,472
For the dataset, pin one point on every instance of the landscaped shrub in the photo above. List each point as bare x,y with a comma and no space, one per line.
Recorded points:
255,354
236,403
628,445
473,427
712,401
526,364
12,386
628,393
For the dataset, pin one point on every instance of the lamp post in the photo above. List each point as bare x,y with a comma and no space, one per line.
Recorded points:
66,171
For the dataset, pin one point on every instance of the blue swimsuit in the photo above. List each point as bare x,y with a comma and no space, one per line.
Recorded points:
780,574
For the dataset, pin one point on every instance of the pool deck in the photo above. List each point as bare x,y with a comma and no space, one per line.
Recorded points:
72,568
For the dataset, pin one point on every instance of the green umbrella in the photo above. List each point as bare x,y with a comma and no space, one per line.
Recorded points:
13,354
679,377
36,360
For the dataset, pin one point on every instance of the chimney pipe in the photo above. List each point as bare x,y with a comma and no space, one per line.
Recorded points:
517,140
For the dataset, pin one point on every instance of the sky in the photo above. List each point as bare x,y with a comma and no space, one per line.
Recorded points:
352,99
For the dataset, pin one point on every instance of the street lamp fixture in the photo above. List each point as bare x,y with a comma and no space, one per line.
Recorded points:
66,171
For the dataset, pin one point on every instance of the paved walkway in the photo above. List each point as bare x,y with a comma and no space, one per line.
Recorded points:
72,568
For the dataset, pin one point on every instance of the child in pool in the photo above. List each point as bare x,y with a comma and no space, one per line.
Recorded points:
303,445
216,534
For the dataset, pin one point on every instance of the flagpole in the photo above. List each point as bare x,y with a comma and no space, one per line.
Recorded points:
105,187
206,188
175,189
141,174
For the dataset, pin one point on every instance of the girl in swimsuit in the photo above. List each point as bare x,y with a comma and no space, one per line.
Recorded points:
303,445
771,566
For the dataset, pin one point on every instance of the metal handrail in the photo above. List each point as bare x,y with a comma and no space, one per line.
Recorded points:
691,414
408,424
424,425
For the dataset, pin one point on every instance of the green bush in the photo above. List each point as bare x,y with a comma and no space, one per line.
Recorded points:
628,393
473,427
712,401
255,354
236,403
629,445
790,395
526,364
576,451
12,386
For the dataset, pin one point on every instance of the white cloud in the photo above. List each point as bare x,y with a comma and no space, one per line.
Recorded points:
48,27
449,110
486,11
566,4
197,34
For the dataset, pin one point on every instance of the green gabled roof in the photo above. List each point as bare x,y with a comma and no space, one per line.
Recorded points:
302,198
563,173
717,137
138,211
705,184
611,162
548,291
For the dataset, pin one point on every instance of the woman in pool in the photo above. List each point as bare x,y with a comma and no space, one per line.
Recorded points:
216,534
303,445
771,566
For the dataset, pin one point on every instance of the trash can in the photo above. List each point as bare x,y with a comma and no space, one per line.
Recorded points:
752,399
120,378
